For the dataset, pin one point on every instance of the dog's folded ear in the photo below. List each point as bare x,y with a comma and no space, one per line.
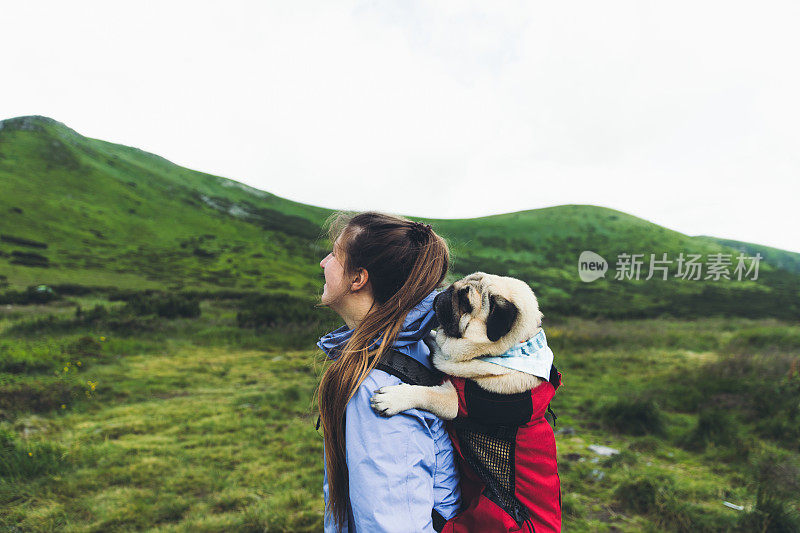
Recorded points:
502,314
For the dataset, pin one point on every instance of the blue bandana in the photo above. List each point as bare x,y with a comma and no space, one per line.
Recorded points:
419,321
532,356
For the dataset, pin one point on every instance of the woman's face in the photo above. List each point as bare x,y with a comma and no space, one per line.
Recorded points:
334,276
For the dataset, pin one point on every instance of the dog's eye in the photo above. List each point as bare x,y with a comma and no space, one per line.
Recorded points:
463,300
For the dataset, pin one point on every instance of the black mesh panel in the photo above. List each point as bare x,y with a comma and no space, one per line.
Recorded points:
489,450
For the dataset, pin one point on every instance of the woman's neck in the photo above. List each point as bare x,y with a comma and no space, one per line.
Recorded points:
357,309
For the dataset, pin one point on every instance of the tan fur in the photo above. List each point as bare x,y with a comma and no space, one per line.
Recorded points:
457,356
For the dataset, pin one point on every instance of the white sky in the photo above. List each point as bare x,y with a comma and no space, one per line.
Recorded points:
684,113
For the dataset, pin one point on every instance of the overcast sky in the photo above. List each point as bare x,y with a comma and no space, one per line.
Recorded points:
685,113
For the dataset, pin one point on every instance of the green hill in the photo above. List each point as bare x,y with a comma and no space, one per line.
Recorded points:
774,256
84,212
113,215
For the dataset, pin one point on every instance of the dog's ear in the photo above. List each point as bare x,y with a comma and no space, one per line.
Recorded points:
502,314
463,300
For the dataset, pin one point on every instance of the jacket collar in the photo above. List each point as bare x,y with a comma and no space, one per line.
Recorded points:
418,322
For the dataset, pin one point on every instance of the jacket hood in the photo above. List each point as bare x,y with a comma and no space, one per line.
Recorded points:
419,321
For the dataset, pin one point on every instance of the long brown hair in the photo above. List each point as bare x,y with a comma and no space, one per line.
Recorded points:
405,261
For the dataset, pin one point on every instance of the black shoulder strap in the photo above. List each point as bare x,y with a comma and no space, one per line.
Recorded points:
555,381
411,371
408,369
438,521
555,377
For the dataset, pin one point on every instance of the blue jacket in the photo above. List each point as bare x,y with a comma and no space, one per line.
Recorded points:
399,467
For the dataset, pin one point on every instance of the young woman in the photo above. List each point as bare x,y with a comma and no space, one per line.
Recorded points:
381,474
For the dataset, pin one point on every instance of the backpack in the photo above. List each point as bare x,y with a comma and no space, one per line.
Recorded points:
507,457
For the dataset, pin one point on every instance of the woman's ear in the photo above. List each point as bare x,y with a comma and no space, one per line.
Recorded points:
361,279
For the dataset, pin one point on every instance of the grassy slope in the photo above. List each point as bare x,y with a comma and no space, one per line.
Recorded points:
117,216
774,256
110,211
542,246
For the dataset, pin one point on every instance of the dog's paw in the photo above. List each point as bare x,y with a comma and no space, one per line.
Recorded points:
392,399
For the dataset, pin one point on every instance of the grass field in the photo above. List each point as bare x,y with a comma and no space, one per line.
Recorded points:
199,425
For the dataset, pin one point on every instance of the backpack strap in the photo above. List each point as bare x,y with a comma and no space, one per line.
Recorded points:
555,377
411,371
555,381
408,369
438,521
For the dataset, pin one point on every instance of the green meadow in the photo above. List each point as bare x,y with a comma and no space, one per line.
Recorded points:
200,424
158,361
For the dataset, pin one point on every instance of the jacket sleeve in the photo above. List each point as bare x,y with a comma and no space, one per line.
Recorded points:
391,464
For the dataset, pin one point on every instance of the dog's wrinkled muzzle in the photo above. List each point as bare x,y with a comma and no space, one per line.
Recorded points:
445,308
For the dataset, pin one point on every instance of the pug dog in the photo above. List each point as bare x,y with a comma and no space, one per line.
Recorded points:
481,315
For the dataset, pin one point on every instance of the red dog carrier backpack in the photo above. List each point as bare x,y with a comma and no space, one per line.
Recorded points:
507,457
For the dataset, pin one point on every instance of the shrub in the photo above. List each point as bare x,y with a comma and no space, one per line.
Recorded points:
760,338
624,458
164,305
714,426
759,389
647,444
34,294
203,253
225,294
265,310
28,357
634,417
644,495
133,325
22,241
95,314
41,394
24,461
658,497
124,295
771,516
571,506
41,325
777,409
776,479
73,289
678,514
29,259
85,346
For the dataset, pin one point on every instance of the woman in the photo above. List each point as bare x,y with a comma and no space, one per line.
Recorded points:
381,474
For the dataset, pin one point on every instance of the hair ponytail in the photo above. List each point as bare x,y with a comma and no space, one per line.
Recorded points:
405,261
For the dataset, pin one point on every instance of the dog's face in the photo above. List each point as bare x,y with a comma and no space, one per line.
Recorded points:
485,314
